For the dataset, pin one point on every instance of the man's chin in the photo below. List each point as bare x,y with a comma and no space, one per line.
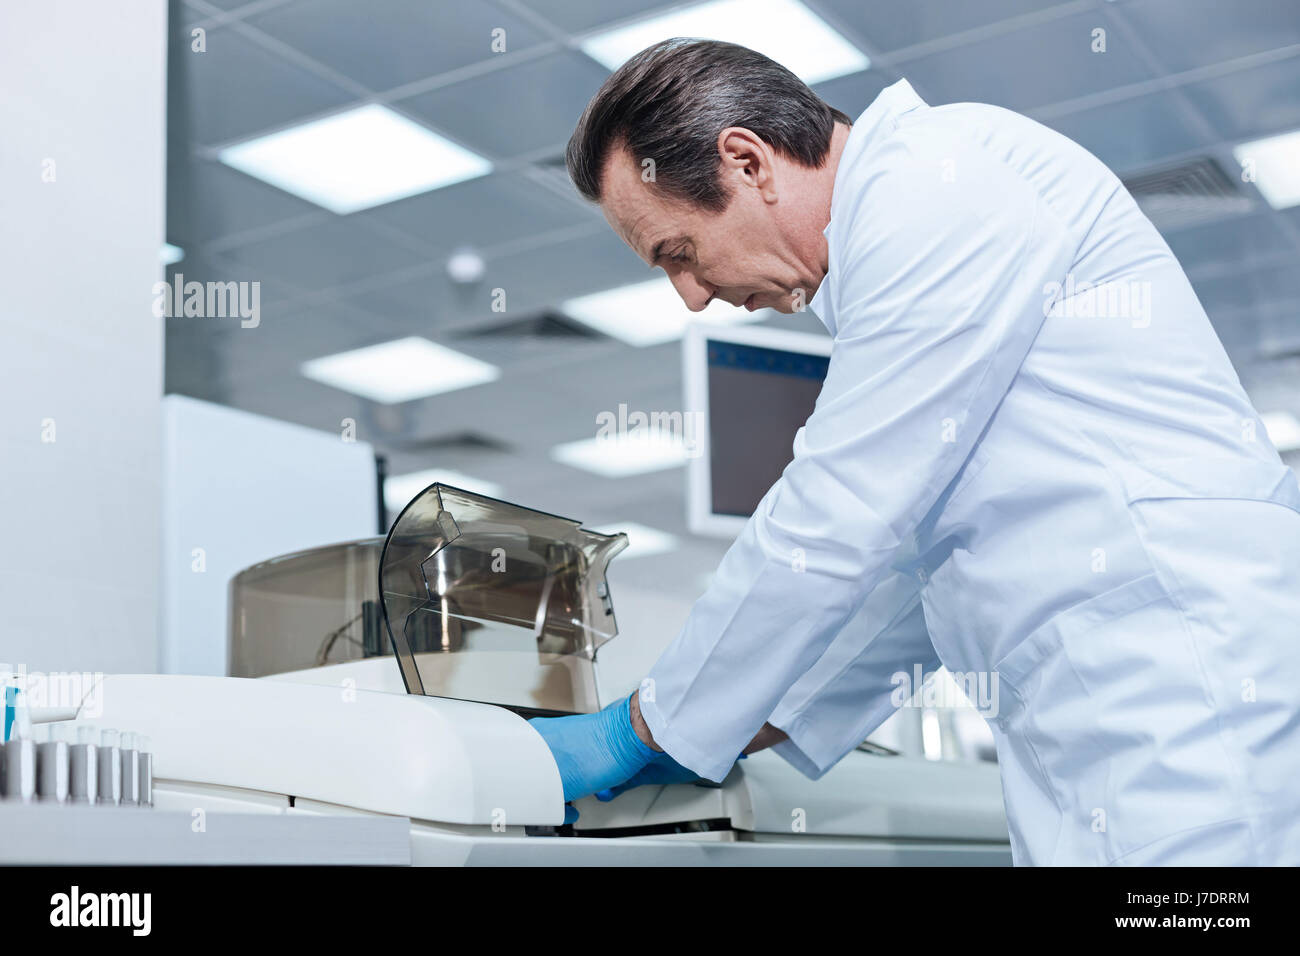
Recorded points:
787,303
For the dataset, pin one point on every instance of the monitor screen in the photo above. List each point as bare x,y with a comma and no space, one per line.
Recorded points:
754,388
758,398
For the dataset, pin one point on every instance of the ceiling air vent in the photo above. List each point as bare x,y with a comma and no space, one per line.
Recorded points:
544,337
1190,193
544,325
457,442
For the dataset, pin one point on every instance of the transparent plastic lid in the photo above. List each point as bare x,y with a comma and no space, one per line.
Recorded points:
480,600
496,602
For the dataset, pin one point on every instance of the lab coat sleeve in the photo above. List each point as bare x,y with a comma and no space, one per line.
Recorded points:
867,672
937,293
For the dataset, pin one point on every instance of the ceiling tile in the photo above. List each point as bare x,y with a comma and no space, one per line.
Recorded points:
481,213
422,303
579,16
891,26
329,254
1249,289
237,88
1291,219
544,277
1135,133
1251,102
1185,34
287,338
202,266
1231,242
194,11
1042,64
516,110
223,201
412,40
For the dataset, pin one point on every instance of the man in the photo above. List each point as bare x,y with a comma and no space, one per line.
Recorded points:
1027,419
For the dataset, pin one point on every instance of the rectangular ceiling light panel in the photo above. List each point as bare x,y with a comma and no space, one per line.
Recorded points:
783,30
355,160
400,371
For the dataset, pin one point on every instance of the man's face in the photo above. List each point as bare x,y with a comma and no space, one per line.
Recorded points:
748,255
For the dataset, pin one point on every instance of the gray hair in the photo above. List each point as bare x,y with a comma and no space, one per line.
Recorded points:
670,102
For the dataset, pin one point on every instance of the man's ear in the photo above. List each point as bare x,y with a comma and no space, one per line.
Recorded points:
746,159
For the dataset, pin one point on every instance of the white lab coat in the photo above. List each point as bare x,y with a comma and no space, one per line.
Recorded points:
1073,484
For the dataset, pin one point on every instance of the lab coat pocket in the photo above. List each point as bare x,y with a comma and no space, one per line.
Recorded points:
1224,537
1211,479
1092,705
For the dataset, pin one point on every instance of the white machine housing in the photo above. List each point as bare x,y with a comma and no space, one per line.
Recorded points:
478,784
397,680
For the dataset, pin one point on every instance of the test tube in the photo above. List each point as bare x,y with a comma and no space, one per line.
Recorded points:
145,746
83,777
20,750
10,694
52,764
109,759
130,758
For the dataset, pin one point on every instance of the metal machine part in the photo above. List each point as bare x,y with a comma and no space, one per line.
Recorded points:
83,775
52,766
20,769
130,774
61,762
109,760
146,772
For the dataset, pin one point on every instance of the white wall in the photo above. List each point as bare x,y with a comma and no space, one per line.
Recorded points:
82,85
238,489
648,621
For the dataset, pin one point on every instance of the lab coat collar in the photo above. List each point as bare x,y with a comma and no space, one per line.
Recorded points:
877,121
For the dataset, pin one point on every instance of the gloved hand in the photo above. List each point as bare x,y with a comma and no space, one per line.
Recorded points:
662,769
594,751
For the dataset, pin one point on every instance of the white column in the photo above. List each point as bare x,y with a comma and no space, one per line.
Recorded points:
82,109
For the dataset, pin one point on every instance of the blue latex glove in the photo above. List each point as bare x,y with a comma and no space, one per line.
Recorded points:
594,751
662,769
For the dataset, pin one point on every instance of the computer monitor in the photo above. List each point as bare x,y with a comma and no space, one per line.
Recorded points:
748,390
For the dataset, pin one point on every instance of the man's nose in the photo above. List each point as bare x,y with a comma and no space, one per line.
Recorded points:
694,293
